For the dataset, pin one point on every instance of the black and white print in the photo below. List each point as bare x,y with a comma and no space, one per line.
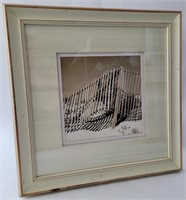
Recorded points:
109,106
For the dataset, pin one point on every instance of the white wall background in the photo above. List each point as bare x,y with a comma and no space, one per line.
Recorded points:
170,186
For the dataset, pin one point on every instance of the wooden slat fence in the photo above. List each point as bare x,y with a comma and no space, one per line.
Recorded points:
106,102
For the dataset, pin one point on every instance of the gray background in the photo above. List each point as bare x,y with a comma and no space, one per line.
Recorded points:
169,186
84,70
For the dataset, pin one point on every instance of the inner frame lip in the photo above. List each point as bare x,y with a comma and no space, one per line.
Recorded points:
61,55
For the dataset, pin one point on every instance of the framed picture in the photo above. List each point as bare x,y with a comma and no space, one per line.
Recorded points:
104,104
96,94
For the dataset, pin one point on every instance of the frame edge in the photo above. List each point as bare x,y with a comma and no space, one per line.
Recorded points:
13,101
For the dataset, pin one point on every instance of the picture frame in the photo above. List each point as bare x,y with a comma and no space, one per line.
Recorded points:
96,94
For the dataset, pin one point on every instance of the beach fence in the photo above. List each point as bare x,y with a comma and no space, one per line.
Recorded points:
107,101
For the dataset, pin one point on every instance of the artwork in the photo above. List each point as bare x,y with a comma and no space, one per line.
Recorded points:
96,94
101,97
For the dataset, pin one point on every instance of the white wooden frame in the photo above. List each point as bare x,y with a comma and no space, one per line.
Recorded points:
17,17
